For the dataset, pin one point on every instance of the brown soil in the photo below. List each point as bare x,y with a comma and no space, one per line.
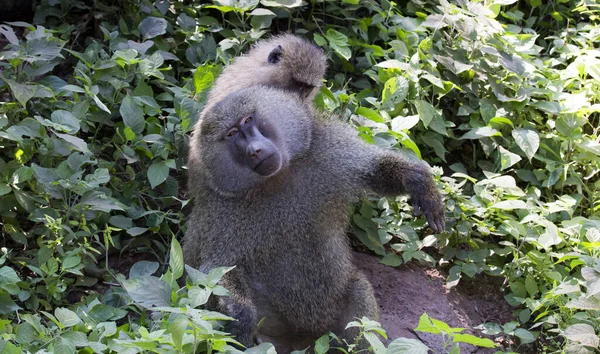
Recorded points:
406,292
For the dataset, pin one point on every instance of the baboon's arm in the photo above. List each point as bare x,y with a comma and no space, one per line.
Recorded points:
240,306
357,167
392,174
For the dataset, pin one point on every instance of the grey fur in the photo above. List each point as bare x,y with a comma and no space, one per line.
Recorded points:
298,61
286,233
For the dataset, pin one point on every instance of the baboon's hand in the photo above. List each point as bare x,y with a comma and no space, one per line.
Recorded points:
431,204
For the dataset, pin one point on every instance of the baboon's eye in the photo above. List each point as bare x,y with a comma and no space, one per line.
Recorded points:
248,120
232,132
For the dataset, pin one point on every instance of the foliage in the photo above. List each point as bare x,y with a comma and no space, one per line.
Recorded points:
98,99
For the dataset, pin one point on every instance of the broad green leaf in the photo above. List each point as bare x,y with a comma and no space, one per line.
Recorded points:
151,27
9,33
157,173
404,123
471,339
178,327
477,133
592,280
66,317
550,237
507,158
581,303
133,115
322,344
510,205
121,222
66,118
186,22
524,335
4,189
176,259
370,114
143,268
203,78
149,291
70,262
63,345
22,93
25,333
339,43
582,333
7,305
281,3
77,143
392,260
376,344
528,140
198,296
407,346
9,348
430,117
426,325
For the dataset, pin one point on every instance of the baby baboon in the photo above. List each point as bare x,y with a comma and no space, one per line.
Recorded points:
285,61
271,184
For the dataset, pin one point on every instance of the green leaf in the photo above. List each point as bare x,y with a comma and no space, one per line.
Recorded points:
203,78
63,345
430,117
370,114
592,280
581,303
510,205
25,333
70,262
550,237
178,327
470,339
4,189
528,140
66,118
75,142
481,132
176,259
143,268
322,344
524,335
149,291
339,43
8,276
507,158
133,115
407,346
392,260
9,348
66,317
151,27
282,3
198,296
426,325
582,333
157,173
404,123
22,93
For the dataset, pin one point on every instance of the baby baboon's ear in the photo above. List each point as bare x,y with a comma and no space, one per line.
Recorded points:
275,55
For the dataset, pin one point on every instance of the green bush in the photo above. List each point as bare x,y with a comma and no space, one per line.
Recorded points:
97,102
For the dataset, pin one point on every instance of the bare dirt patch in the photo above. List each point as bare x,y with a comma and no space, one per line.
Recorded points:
406,292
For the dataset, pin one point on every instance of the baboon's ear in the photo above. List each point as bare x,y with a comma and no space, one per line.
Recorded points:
275,55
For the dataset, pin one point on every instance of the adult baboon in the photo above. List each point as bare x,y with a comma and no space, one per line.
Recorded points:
271,184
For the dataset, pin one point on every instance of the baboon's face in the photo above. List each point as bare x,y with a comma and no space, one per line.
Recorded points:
252,143
252,135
